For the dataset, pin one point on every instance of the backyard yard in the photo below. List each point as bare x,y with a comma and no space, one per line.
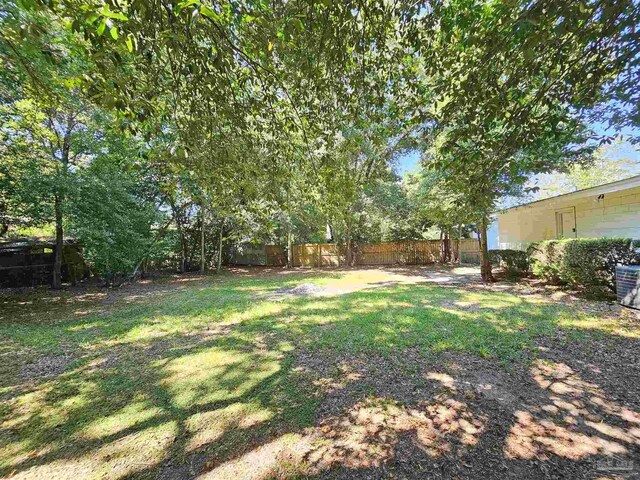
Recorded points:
407,372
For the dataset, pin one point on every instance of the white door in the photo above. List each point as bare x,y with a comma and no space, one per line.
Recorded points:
566,223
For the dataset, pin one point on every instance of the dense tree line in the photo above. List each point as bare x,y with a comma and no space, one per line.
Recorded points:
157,132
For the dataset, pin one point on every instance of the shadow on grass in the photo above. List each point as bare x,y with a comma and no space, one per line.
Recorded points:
206,379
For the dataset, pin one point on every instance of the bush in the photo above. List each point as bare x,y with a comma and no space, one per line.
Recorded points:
582,262
545,259
514,262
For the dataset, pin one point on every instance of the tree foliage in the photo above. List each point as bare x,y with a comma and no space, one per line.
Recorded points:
512,84
196,123
610,163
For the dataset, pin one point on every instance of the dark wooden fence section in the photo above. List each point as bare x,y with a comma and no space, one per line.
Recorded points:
275,255
410,252
29,262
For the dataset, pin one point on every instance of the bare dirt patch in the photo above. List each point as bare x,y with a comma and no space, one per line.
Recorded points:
459,416
304,289
46,366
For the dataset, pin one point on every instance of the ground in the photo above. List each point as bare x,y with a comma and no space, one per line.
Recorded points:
367,373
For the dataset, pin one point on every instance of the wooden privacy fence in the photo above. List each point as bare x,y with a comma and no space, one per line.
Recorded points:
470,250
410,252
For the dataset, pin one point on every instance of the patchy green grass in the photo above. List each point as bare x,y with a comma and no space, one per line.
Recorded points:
206,368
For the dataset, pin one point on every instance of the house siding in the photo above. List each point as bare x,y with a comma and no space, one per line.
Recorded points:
615,215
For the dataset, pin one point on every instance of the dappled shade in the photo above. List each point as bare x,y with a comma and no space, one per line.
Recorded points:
579,420
215,378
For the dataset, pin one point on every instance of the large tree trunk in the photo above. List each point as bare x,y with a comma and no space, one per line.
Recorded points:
447,247
349,253
183,244
289,248
57,253
485,263
458,253
202,250
219,266
56,282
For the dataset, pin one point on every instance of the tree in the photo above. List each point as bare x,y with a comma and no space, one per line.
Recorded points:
66,161
112,218
51,142
387,210
283,117
609,164
511,84
48,126
435,204
360,155
236,94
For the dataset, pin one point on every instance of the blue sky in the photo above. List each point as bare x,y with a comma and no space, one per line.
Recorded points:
408,162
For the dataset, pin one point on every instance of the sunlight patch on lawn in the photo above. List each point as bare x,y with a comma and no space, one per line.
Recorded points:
215,375
496,300
278,458
352,277
41,406
611,326
126,456
207,427
125,418
193,320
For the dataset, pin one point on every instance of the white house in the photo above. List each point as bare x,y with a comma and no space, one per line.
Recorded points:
610,210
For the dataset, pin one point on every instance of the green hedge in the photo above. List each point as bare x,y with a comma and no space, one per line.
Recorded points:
545,259
513,261
582,262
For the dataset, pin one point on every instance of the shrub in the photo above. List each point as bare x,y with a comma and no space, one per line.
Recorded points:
582,262
514,262
545,259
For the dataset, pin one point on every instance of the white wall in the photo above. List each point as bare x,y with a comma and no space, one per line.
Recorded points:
615,215
492,235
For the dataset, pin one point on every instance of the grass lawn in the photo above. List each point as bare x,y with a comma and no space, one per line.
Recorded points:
240,376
